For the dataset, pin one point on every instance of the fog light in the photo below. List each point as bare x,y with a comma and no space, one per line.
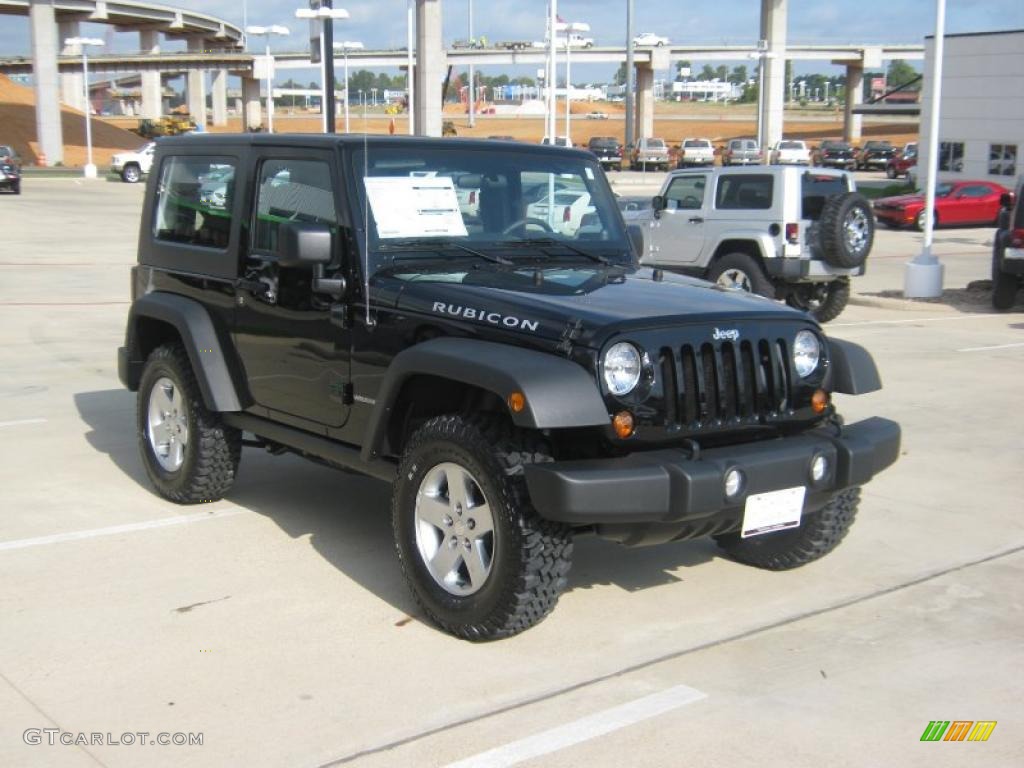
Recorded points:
819,468
623,424
733,483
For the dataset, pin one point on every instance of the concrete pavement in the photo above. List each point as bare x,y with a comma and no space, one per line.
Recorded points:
275,622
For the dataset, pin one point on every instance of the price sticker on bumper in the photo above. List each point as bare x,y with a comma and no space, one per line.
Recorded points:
773,511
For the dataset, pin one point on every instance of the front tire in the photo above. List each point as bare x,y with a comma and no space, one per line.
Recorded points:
190,456
819,533
740,271
890,172
475,583
1004,286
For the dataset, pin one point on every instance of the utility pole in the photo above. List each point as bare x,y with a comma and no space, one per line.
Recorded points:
471,93
630,75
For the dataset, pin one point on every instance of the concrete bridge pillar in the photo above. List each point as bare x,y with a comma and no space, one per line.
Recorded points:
43,31
152,86
253,118
196,87
644,102
71,83
773,31
852,123
220,96
430,66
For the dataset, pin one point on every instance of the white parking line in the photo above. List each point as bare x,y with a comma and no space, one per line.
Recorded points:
986,349
20,422
117,529
584,729
902,321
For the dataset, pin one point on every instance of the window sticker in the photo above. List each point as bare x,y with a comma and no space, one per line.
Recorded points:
590,173
418,206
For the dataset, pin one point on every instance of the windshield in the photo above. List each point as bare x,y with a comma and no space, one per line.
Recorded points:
943,190
427,202
696,143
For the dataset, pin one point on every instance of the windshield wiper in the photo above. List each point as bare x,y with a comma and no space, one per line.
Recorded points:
543,242
442,245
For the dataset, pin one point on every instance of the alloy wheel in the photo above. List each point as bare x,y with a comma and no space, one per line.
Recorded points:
167,424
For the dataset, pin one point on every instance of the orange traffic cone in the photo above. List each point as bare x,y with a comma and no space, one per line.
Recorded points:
41,161
391,127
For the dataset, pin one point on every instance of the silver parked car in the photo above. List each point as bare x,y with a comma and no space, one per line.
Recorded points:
742,152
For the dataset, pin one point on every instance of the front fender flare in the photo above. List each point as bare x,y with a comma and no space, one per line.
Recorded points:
853,370
559,393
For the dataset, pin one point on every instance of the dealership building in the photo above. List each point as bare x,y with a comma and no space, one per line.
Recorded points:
981,122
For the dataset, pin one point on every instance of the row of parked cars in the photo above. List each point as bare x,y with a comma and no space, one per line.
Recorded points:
10,169
656,154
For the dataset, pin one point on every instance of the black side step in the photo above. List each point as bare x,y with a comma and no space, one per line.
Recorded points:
315,445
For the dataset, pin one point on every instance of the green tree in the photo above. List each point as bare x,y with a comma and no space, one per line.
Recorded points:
707,73
620,74
738,76
901,73
722,73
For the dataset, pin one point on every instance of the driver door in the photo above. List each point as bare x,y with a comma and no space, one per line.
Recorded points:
677,233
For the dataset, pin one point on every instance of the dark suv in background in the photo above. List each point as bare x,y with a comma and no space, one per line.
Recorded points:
1008,251
875,156
834,154
608,151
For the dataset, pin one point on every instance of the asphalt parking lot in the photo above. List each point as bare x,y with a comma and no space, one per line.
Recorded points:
276,624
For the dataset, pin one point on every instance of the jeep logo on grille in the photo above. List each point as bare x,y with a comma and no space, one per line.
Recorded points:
725,334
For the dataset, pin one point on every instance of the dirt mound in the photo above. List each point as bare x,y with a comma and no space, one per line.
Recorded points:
18,128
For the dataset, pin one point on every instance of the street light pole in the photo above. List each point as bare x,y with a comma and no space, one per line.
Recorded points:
410,64
326,15
923,276
266,32
472,72
552,77
630,73
84,42
345,47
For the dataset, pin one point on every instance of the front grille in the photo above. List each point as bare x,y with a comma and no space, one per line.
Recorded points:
738,383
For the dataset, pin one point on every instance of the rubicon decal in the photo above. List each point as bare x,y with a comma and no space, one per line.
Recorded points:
483,316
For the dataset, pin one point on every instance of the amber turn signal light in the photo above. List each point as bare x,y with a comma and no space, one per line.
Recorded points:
819,401
623,424
517,401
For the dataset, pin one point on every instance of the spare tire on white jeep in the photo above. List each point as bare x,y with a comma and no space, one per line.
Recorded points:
846,229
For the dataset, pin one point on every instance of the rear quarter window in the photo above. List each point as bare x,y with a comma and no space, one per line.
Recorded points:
746,192
815,190
194,201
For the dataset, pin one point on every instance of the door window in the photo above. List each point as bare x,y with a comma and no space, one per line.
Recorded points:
292,190
686,192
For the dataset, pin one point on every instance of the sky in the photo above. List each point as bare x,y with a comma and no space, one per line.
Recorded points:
381,23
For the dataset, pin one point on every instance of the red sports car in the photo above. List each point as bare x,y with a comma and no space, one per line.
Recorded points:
961,202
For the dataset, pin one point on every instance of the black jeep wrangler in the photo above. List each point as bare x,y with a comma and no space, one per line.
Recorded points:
467,321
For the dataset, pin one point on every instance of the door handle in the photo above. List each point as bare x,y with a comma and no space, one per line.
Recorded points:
696,219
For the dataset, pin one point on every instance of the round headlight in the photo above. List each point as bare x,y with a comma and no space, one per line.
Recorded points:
621,368
806,353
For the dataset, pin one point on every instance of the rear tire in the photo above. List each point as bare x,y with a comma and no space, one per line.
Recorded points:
819,533
190,456
1004,286
519,568
890,172
740,271
823,302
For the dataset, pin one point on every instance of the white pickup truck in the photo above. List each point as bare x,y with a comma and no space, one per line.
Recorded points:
693,152
130,166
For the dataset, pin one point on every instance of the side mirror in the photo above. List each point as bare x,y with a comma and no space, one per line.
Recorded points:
659,203
1006,200
636,237
300,243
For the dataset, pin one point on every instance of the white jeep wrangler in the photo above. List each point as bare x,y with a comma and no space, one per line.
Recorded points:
788,233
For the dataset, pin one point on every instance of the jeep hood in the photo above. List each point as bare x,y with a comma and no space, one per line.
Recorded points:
592,302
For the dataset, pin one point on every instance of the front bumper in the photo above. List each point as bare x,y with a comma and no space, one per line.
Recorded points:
896,216
667,487
838,162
